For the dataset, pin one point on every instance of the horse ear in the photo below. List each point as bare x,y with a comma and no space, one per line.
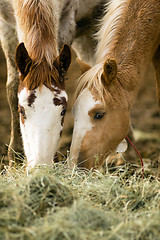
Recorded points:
22,59
63,61
109,70
84,67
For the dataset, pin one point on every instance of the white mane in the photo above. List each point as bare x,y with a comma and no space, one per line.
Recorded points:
106,36
109,24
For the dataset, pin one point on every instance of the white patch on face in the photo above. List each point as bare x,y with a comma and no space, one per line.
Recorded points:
42,126
84,103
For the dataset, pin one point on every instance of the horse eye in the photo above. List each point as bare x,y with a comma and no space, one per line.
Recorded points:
99,115
21,110
63,112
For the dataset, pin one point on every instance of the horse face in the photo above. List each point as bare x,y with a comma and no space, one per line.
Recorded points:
41,120
42,109
98,129
100,125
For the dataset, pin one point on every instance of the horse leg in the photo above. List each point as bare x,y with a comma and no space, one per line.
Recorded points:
9,41
67,23
156,64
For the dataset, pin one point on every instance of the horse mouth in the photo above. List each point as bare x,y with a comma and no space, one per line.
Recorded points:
94,161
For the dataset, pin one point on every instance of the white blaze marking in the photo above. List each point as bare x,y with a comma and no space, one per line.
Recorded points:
84,103
42,126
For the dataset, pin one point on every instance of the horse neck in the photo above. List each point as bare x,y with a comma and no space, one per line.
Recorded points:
132,38
37,26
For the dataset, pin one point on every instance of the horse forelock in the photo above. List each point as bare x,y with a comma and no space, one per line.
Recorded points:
42,74
92,80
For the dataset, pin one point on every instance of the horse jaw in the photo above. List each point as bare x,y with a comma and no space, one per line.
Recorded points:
42,124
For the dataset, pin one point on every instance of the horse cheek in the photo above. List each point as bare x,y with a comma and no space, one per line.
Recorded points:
116,130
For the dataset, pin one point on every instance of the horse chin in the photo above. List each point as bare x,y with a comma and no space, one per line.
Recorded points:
33,162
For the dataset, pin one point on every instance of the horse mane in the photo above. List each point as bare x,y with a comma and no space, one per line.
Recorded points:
110,23
91,79
37,27
106,39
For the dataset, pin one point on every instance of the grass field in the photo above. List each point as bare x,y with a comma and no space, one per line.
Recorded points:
53,203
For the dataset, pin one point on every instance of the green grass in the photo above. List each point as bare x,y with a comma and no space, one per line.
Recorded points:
53,203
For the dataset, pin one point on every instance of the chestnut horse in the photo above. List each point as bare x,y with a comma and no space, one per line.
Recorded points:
128,40
43,27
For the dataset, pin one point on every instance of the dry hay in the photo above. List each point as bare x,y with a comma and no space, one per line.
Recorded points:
56,204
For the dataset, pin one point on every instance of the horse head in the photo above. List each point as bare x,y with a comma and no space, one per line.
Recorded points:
42,104
101,115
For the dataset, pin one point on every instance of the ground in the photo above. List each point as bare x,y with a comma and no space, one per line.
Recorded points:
145,116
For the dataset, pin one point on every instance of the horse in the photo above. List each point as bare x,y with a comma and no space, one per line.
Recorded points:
42,99
128,40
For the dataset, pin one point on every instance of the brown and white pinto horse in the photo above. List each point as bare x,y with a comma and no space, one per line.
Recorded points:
42,99
128,40
43,26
